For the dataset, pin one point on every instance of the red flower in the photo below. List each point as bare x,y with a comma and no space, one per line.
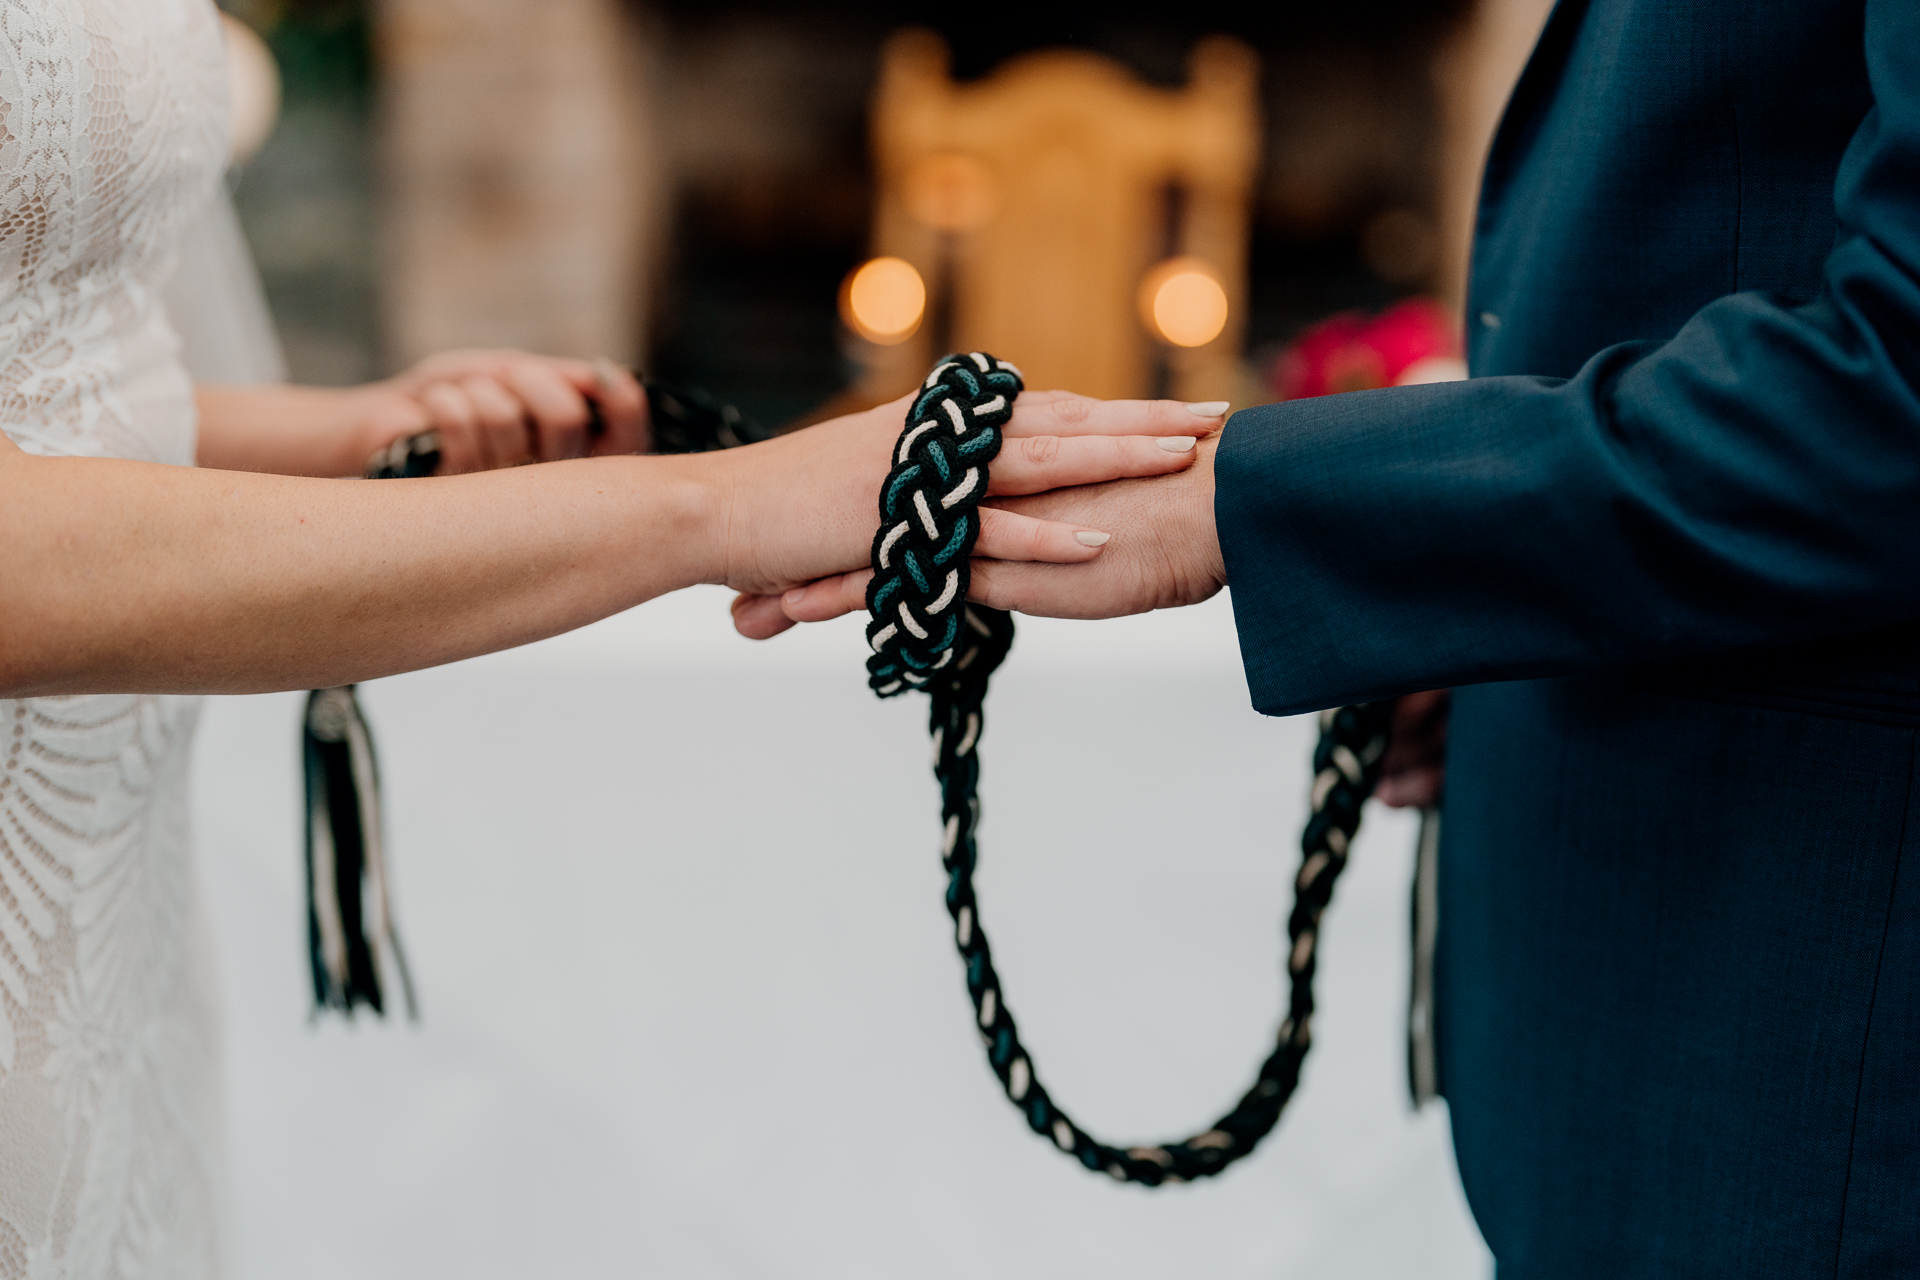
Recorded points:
1412,341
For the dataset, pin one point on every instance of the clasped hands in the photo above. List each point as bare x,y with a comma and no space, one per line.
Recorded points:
799,509
1097,509
1155,544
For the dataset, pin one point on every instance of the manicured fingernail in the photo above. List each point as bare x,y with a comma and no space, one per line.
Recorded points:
1210,408
794,595
1088,538
1175,444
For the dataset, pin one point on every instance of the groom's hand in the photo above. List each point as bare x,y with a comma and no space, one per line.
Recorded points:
806,504
1164,552
1414,773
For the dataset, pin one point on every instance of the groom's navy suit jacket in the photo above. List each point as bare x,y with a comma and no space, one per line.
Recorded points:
1669,538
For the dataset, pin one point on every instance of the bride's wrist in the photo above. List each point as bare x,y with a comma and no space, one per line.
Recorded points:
364,420
697,493
290,430
341,427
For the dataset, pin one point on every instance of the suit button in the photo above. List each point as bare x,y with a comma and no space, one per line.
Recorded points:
1490,320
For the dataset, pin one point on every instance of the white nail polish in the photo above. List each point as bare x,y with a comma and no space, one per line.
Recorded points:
1210,408
1088,538
1175,444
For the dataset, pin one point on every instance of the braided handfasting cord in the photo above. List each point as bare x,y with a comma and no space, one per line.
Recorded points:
930,519
924,635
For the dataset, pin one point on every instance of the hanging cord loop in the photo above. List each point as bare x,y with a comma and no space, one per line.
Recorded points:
924,635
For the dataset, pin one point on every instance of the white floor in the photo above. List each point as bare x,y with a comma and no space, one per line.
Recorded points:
673,905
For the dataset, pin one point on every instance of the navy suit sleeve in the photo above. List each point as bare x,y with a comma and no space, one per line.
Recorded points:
1753,480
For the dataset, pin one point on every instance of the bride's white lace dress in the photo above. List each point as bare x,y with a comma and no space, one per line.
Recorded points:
112,135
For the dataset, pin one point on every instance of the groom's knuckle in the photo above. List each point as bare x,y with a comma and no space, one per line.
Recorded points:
987,587
1039,451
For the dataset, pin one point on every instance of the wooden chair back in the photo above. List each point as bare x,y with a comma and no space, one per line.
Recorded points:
1036,202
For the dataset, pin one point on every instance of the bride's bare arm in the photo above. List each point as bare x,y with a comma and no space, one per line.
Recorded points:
131,577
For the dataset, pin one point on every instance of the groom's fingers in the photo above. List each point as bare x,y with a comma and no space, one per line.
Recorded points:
1062,413
1003,536
824,600
1035,464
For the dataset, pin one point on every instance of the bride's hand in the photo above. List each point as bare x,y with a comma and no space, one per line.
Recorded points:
490,409
805,506
503,408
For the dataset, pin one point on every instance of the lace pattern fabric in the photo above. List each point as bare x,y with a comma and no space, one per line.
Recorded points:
114,114
112,136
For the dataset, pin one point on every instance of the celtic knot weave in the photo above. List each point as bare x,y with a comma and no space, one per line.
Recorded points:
924,635
930,519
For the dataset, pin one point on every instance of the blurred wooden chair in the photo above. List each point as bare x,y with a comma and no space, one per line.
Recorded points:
1048,206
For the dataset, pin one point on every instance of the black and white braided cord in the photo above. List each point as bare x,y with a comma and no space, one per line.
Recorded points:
1346,762
930,519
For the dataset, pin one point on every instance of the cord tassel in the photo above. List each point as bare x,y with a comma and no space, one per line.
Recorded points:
352,940
353,944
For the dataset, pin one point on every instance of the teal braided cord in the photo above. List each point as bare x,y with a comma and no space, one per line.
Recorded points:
930,519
